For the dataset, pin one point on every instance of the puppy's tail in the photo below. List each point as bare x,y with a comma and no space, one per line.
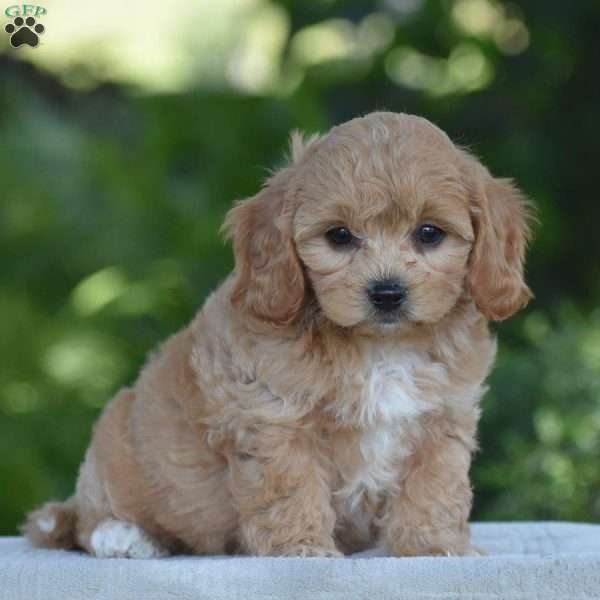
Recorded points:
52,525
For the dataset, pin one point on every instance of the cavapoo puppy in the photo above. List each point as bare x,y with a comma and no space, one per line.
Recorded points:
326,396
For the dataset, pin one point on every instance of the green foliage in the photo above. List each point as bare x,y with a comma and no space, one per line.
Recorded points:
111,204
540,429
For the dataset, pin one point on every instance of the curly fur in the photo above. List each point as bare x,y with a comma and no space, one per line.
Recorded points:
286,419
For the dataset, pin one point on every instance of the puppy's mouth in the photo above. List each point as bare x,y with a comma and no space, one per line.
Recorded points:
389,318
385,324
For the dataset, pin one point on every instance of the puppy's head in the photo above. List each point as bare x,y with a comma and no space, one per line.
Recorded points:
385,224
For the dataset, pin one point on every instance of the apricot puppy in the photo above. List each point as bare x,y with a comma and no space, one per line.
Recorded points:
326,396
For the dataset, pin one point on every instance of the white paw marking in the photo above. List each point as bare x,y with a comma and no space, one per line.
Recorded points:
117,539
46,525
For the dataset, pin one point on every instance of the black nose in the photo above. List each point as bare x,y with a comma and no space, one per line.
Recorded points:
387,296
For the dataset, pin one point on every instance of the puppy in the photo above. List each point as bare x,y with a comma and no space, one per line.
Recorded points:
326,396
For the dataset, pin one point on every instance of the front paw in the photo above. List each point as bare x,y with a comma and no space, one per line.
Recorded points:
309,551
473,551
431,542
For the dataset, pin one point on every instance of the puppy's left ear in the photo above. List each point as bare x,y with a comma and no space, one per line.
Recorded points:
500,214
269,279
269,282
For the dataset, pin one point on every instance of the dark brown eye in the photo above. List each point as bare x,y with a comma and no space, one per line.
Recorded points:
340,236
430,235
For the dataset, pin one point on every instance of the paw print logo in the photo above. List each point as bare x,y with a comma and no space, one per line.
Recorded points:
24,31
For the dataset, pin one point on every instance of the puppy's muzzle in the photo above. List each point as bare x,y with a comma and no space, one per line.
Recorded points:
386,296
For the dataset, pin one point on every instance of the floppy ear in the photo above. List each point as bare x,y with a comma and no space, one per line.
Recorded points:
269,279
269,282
500,214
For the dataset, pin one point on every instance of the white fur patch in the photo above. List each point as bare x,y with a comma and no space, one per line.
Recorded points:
46,525
394,388
396,391
117,539
390,393
395,384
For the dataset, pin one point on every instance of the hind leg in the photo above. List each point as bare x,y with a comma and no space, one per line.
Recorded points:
110,495
102,533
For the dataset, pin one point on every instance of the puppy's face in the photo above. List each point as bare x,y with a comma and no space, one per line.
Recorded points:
386,224
383,226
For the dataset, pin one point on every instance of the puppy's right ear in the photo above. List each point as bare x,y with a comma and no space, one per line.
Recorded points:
269,279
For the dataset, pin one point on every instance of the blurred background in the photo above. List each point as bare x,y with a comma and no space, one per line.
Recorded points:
128,132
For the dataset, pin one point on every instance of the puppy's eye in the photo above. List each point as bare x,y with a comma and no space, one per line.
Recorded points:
430,235
340,236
